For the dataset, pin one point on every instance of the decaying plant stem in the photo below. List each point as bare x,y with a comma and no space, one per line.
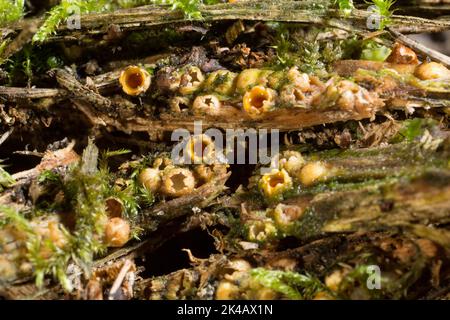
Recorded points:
283,11
165,212
82,92
14,93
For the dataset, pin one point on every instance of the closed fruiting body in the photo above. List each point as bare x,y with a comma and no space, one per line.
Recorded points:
432,70
298,79
240,265
333,280
117,232
134,80
222,82
312,172
291,161
249,78
402,55
150,178
227,291
177,182
285,264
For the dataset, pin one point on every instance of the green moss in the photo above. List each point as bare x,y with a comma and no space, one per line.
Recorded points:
307,52
374,51
5,179
63,11
11,10
384,9
85,188
32,60
191,8
10,215
345,6
55,265
413,128
54,62
291,285
392,285
48,176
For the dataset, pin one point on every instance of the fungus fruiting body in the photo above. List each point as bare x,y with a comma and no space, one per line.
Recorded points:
260,231
117,232
275,183
291,161
299,80
150,178
431,71
258,100
191,80
177,182
351,97
285,215
135,80
222,82
227,291
114,207
248,78
312,172
179,104
200,149
402,55
208,104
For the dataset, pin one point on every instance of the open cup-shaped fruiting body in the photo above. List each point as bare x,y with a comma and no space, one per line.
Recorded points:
177,182
276,182
191,80
134,80
200,149
258,100
285,216
208,104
